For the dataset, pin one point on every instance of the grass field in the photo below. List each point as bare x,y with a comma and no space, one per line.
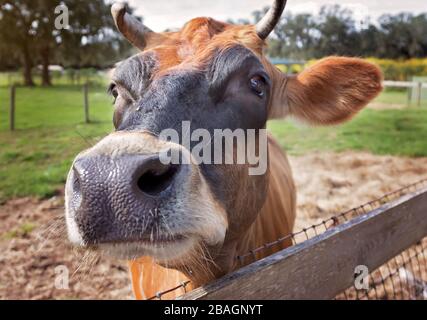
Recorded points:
50,131
394,132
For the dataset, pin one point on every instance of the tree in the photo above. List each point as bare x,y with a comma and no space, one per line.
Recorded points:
403,35
8,57
337,32
370,40
92,40
17,31
28,27
46,36
334,32
296,36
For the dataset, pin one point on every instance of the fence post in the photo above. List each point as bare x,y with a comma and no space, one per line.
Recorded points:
419,92
12,108
86,102
410,94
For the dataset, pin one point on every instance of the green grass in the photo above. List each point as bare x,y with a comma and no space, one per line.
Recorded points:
393,97
50,131
400,132
35,159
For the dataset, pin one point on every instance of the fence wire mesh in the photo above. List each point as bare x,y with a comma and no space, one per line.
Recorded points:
403,277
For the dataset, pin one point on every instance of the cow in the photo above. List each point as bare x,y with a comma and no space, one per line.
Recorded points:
188,222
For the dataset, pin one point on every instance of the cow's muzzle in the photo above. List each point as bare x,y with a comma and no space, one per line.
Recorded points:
120,196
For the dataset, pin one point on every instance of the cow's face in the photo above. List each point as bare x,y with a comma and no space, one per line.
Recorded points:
122,197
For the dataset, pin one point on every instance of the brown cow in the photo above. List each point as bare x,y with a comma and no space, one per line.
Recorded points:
189,221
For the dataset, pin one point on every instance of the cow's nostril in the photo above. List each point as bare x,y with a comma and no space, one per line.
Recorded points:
157,179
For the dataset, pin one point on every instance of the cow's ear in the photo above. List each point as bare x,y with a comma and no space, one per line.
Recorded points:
331,91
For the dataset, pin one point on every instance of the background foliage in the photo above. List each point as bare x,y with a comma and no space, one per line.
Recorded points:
335,31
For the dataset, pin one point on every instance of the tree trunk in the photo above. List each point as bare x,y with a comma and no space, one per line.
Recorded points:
28,65
45,67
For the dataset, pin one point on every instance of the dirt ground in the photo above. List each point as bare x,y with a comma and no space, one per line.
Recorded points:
33,240
330,183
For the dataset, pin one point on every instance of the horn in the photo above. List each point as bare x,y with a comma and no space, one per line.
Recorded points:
130,27
266,25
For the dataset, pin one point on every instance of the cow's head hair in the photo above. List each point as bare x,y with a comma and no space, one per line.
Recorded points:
120,197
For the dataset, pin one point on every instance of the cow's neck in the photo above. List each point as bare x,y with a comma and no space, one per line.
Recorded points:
277,217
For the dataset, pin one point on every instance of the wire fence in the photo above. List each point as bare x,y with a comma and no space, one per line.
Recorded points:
403,277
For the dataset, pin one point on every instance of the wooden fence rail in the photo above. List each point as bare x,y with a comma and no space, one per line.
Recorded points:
418,86
404,84
324,266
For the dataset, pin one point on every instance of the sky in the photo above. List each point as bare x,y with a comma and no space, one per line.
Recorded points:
162,14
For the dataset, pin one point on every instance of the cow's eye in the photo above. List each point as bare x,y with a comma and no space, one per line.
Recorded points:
258,85
113,91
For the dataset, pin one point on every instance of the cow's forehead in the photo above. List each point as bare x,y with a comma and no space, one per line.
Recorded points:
195,46
143,67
